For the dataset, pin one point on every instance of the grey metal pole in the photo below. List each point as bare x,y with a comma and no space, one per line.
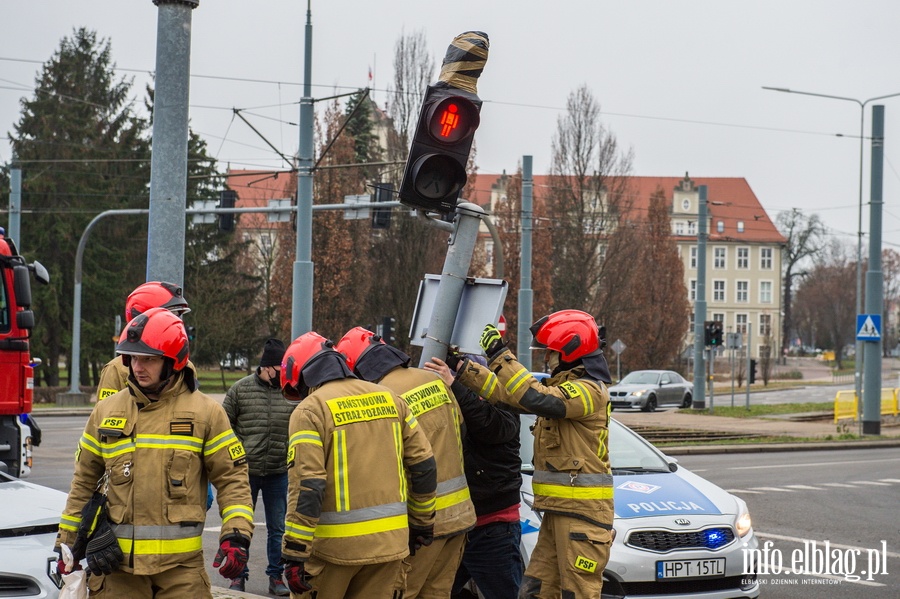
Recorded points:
168,162
749,345
700,307
859,358
453,279
871,419
302,292
526,293
13,231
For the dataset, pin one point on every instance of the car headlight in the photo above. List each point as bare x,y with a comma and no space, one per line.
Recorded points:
639,393
743,523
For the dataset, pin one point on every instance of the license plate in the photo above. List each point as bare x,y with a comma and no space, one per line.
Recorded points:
690,568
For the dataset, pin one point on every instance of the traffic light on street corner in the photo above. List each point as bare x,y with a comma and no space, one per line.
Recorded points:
381,217
707,333
227,198
751,376
436,167
389,330
716,334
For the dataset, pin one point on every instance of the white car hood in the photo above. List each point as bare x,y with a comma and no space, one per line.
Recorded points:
25,504
680,493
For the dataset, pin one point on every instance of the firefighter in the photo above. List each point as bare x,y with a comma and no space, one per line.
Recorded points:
361,479
149,451
432,568
152,294
572,481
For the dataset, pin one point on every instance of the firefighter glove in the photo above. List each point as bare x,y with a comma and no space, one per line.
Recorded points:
491,341
103,552
296,576
232,555
420,536
453,361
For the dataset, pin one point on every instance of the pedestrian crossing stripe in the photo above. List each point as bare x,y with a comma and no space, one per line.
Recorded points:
868,327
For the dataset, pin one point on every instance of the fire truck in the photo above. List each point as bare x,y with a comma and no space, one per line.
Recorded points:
18,430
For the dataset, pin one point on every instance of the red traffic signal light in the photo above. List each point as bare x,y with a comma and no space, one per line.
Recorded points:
436,167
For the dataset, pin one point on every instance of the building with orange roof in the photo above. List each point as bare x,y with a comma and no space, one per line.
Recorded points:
743,253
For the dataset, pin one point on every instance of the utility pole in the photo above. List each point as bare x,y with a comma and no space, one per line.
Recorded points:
15,203
871,419
168,161
302,291
526,293
700,307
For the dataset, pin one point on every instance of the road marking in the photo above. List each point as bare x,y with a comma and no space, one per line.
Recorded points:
772,489
744,491
777,537
804,487
811,464
844,485
870,482
890,480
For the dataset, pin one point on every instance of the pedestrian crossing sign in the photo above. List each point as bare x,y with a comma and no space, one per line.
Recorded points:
868,327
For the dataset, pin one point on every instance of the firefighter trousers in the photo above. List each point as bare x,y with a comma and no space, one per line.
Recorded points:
175,583
567,561
433,568
365,581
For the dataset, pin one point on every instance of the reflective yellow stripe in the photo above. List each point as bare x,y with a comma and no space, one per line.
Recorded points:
517,380
69,523
602,448
91,444
298,531
341,471
487,390
567,492
233,511
586,398
170,442
411,421
358,529
312,437
451,499
218,442
398,449
161,546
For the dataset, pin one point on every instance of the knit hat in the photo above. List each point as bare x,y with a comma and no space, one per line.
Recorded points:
273,352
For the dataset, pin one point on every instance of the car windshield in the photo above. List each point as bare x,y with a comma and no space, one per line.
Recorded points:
640,377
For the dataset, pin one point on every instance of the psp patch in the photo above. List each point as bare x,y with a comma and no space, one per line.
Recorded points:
104,393
237,453
583,563
112,427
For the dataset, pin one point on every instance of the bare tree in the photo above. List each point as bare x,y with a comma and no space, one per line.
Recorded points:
586,202
413,71
890,267
805,236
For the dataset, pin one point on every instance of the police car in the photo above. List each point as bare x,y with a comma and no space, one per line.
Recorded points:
677,534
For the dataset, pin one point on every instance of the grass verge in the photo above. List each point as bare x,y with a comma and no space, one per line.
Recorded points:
762,410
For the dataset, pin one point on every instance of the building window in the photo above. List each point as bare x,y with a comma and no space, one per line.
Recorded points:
743,258
765,258
718,317
694,257
765,325
720,226
718,290
719,258
693,290
740,323
679,227
765,292
692,227
740,226
743,292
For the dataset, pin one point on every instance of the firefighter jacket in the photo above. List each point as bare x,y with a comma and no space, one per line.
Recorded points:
114,377
259,415
352,445
435,407
571,436
154,459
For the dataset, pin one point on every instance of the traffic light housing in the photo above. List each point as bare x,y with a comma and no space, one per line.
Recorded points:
381,217
716,334
436,167
389,330
752,374
227,198
707,333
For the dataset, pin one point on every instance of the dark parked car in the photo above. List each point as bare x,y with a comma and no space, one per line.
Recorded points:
650,389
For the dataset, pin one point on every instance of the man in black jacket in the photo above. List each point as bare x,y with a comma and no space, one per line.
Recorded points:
492,558
259,415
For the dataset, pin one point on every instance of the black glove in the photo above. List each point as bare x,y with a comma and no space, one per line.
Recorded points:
420,537
232,555
453,360
491,342
296,576
103,553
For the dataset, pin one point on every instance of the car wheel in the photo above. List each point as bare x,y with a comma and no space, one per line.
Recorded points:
687,401
650,406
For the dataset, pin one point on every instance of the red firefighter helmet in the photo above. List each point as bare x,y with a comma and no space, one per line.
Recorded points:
573,333
156,332
299,353
355,343
156,294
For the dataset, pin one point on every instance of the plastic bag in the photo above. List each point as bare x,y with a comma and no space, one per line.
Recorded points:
75,582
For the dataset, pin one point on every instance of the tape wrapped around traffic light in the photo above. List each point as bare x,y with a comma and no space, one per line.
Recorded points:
465,60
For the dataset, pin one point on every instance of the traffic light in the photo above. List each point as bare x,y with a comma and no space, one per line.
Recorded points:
436,167
227,198
389,330
707,333
191,332
716,334
381,217
752,374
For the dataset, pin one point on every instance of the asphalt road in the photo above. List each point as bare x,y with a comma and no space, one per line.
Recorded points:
848,499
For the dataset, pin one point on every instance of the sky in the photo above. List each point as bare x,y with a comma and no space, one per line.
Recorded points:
679,83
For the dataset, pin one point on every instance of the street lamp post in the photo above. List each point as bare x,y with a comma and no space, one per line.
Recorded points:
862,115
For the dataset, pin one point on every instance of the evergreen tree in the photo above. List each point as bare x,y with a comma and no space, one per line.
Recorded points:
83,150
